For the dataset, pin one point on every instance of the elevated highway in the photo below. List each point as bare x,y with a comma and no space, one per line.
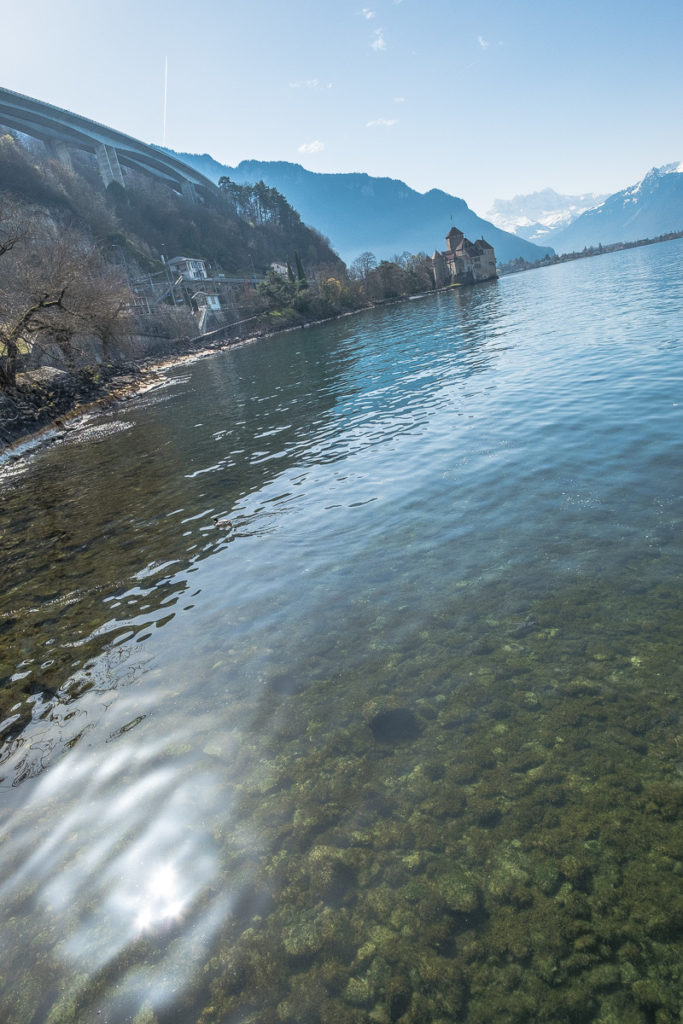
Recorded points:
63,131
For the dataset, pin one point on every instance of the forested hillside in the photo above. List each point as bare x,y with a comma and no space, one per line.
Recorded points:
149,220
81,262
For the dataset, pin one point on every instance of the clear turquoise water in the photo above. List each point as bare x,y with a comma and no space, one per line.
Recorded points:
404,743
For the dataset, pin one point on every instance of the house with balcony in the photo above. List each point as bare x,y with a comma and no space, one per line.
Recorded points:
188,268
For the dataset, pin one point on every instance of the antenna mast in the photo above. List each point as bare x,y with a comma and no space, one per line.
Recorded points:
163,138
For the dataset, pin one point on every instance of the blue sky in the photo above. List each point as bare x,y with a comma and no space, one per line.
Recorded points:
484,99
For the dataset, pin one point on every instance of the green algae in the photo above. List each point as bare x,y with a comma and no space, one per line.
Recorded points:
516,860
528,870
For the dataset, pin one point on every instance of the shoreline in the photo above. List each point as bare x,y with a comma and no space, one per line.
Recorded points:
44,413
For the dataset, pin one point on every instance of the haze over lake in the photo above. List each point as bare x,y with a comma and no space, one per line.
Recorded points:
402,742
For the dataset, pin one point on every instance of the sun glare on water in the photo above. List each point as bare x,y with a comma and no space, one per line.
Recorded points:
160,900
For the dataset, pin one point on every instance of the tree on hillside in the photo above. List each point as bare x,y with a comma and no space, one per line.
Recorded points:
277,291
259,203
12,228
55,284
362,265
300,275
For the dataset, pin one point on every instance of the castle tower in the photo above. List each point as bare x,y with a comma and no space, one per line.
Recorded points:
453,239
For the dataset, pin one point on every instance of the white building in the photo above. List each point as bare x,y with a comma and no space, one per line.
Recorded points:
189,269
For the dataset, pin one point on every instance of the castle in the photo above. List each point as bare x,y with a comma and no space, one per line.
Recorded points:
463,262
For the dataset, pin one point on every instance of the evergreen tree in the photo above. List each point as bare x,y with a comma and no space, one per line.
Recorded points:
300,276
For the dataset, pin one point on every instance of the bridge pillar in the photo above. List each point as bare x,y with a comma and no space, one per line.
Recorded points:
108,163
189,191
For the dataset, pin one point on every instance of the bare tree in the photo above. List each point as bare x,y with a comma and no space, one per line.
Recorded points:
363,265
55,284
12,227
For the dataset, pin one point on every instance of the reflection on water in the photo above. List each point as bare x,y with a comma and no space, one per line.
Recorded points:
402,745
128,859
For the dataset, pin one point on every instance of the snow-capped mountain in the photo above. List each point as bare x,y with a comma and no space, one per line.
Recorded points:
651,207
535,215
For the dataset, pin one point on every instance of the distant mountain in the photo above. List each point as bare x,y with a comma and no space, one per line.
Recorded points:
652,207
535,215
359,213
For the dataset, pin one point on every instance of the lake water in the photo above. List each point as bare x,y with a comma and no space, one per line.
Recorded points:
401,744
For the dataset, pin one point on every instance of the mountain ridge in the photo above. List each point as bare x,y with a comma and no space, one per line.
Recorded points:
359,212
651,207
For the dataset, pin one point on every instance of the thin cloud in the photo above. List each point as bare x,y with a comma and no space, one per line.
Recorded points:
312,147
482,42
399,99
382,122
307,83
379,42
367,13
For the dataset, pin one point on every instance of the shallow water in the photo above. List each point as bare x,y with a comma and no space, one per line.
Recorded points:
402,743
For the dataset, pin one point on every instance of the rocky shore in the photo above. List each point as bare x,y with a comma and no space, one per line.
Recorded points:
42,397
48,397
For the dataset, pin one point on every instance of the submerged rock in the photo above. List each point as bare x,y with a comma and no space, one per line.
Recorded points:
394,725
459,890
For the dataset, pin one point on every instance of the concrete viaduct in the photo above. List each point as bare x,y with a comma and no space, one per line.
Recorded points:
63,131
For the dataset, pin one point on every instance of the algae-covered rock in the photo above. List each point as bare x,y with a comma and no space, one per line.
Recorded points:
646,992
336,1011
546,876
604,976
458,890
414,860
581,688
65,1011
381,900
332,877
309,933
364,990
507,879
360,990
306,999
416,889
314,819
441,980
576,870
